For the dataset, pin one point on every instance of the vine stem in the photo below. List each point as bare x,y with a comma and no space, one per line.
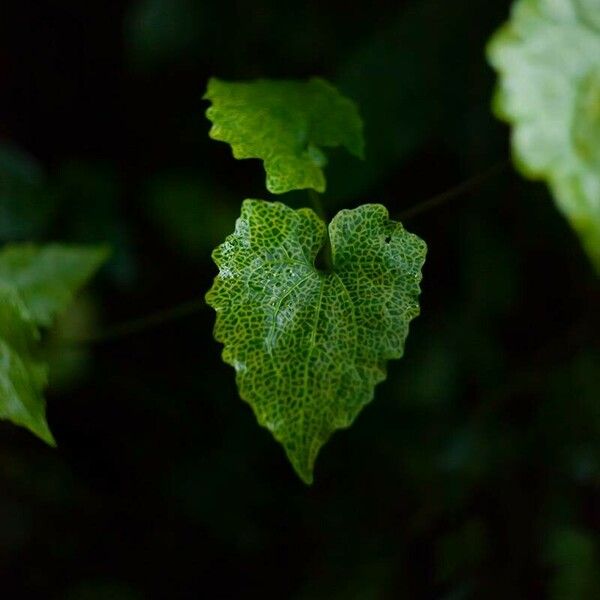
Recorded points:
325,257
140,324
459,190
315,200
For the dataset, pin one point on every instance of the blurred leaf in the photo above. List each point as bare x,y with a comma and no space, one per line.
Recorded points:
46,277
548,60
284,123
25,204
310,346
194,214
574,556
22,376
35,283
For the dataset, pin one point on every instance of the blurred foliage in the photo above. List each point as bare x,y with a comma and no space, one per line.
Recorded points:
573,556
475,473
548,62
36,284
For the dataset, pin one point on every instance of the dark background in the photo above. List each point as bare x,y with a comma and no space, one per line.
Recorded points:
474,473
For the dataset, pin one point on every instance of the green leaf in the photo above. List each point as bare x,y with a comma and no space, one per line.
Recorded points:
46,277
548,59
35,283
22,375
284,123
310,346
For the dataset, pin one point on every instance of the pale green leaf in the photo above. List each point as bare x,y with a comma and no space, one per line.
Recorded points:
309,346
46,277
284,123
22,375
548,59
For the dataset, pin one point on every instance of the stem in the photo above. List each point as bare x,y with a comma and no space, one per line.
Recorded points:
324,260
464,187
315,200
140,324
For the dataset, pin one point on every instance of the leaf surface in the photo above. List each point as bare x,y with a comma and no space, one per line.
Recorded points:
548,59
309,346
22,375
46,277
284,123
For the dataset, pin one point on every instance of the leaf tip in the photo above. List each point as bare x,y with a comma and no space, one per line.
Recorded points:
306,476
302,455
40,428
304,469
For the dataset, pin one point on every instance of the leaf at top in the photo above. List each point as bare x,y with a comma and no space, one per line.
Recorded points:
47,276
310,346
284,123
22,375
548,58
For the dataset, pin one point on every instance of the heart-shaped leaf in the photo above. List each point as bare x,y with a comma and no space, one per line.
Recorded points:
310,346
